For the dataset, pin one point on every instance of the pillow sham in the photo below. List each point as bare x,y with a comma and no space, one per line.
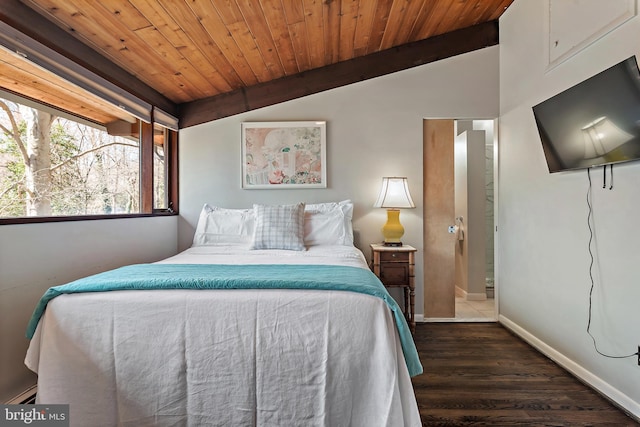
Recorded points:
224,226
279,227
329,224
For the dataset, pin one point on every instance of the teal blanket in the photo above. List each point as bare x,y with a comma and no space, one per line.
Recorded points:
218,276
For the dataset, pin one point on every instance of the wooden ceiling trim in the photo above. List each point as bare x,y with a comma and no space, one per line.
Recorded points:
340,74
27,21
213,108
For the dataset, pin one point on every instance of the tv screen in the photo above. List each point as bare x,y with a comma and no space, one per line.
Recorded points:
596,122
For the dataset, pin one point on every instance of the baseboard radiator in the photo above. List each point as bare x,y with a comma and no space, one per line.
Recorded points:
27,397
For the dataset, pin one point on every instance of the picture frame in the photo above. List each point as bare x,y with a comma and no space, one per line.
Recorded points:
284,155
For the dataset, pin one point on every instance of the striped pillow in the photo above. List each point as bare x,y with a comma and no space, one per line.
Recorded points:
279,227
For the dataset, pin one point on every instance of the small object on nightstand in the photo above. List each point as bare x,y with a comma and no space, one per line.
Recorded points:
395,267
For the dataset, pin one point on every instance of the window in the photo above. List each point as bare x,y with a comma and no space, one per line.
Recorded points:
53,164
160,167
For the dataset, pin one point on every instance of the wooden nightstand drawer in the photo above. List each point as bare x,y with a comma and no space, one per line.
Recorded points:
394,257
394,274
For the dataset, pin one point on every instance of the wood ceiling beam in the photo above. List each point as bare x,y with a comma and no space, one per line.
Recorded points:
35,26
339,74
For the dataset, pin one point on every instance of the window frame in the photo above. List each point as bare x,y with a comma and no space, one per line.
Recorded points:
165,168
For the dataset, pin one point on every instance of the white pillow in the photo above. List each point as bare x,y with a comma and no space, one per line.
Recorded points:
329,224
279,227
224,226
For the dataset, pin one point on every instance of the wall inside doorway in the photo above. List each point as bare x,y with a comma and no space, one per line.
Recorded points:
469,199
477,169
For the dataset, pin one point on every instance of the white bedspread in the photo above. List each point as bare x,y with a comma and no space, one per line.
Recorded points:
225,357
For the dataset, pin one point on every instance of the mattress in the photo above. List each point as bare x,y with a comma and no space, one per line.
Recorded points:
222,357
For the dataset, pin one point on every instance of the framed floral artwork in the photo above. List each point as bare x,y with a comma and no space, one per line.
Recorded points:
280,155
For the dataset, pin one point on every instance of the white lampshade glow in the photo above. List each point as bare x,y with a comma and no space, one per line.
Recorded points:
394,195
601,137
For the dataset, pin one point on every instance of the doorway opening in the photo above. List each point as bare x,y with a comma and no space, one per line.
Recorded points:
460,160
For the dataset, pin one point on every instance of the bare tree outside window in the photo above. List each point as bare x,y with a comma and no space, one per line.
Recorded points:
52,165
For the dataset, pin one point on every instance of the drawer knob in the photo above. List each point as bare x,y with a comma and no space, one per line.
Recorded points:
393,255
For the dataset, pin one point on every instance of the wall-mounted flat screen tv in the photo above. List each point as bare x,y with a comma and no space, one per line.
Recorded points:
596,122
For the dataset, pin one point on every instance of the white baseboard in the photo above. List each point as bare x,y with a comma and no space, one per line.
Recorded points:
613,394
419,318
477,296
480,296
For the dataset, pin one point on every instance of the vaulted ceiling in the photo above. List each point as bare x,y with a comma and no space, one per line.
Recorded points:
205,59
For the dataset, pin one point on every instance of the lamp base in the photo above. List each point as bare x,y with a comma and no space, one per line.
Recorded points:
393,231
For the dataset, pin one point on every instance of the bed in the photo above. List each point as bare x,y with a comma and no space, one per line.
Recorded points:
252,350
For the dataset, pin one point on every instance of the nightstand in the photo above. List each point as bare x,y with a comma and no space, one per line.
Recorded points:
395,266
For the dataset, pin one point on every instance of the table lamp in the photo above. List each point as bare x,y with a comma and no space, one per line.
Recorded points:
394,195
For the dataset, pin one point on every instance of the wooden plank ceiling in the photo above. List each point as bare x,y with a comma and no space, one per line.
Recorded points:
195,53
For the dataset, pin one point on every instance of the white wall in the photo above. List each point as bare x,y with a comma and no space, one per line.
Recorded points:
374,129
543,236
34,257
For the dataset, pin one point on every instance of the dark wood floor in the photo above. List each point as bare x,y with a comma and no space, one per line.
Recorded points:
479,374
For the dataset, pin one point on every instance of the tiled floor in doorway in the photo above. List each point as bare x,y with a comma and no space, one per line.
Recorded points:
476,311
471,311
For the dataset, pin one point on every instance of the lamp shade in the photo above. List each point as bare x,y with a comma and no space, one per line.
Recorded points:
601,137
394,194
